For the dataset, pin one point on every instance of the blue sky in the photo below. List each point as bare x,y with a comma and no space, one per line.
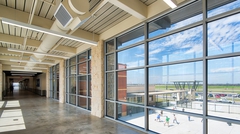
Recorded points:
223,37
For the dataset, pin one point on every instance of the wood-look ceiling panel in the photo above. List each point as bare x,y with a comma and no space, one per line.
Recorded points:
28,5
12,30
23,32
93,4
97,15
148,2
52,10
38,7
115,21
3,2
1,27
113,13
20,4
102,18
5,29
11,3
18,31
45,9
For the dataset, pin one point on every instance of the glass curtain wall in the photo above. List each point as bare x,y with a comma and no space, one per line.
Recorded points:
54,82
178,73
78,87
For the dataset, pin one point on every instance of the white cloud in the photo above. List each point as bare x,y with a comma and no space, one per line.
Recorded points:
226,69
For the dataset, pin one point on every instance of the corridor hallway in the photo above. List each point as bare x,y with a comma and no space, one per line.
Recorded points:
24,112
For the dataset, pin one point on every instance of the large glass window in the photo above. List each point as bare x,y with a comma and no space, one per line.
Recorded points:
216,7
180,46
162,78
132,57
177,85
180,18
224,36
224,87
130,114
131,86
130,38
79,80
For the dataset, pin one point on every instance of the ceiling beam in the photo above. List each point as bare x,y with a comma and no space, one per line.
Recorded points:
17,15
5,38
134,7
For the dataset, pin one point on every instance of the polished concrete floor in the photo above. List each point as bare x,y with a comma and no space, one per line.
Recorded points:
24,112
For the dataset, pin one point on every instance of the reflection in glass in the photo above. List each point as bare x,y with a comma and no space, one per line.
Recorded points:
157,123
110,62
180,46
131,114
110,46
82,85
72,70
110,86
179,18
224,87
176,85
131,86
82,102
130,38
110,109
73,61
82,57
82,68
133,57
72,85
224,36
216,7
218,127
72,99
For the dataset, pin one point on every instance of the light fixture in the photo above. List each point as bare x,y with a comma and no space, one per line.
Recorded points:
47,31
171,3
32,62
22,75
39,53
29,67
26,70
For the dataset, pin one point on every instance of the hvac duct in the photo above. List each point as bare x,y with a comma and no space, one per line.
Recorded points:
69,15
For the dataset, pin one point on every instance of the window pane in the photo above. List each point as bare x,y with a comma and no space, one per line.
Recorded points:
110,109
110,62
110,86
175,123
130,38
82,68
89,54
89,104
72,85
131,114
179,46
73,61
176,85
73,71
89,67
217,127
67,98
224,36
82,102
224,87
180,18
72,99
131,86
216,7
82,57
89,85
82,85
110,46
133,57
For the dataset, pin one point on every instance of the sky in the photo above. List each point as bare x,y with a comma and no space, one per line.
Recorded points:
223,38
